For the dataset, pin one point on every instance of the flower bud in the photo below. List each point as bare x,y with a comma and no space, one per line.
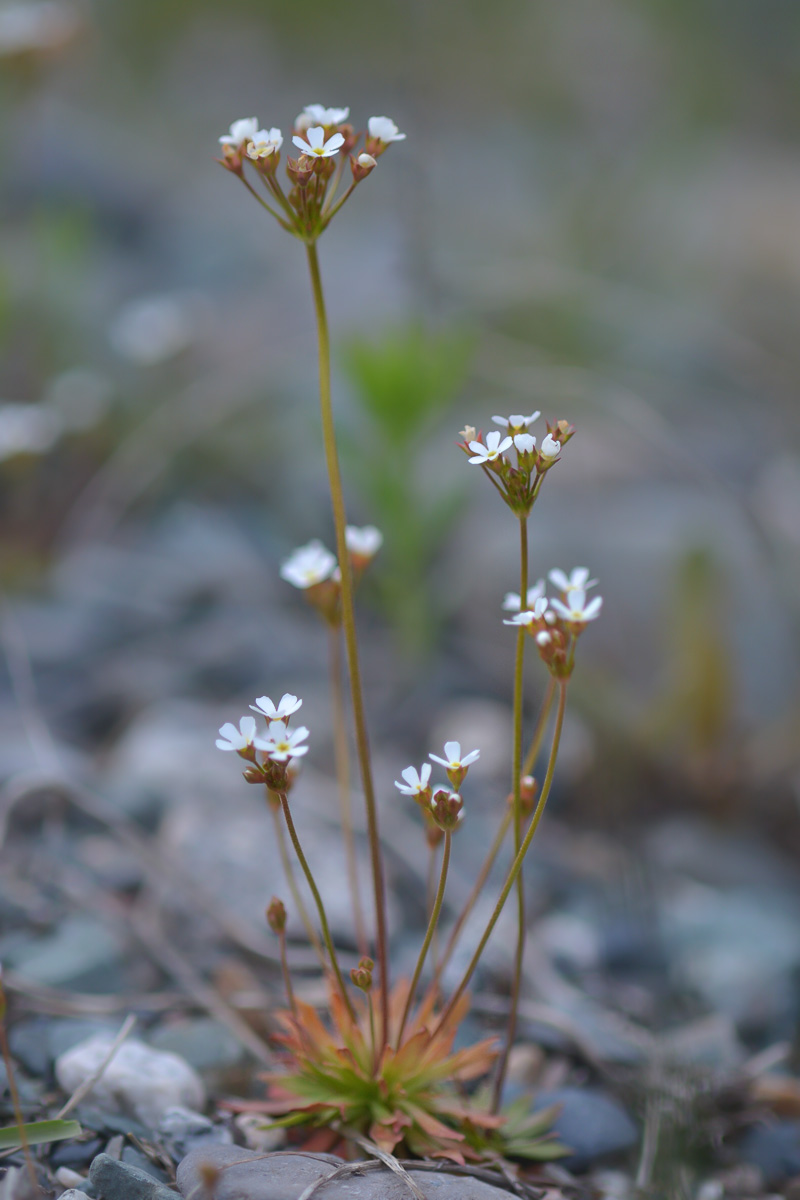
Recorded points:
299,170
361,976
276,915
446,809
253,775
469,433
362,166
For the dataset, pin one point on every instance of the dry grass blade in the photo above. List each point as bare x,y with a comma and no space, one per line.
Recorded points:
87,1085
391,1162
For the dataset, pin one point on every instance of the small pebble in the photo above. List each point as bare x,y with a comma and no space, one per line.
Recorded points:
69,1178
113,1180
712,1189
74,1194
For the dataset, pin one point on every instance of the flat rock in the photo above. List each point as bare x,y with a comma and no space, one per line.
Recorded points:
138,1080
114,1180
285,1175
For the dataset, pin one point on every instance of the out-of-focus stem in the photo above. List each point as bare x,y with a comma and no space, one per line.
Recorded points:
516,779
541,725
349,626
287,979
323,919
341,755
291,883
15,1104
516,866
432,923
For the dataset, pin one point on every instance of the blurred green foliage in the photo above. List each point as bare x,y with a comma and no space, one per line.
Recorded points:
401,385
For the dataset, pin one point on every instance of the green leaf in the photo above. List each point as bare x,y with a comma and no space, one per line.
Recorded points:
38,1132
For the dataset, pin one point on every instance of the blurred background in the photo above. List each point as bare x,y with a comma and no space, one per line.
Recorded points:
595,214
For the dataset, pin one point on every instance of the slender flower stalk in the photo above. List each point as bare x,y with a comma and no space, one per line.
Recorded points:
516,866
341,755
291,883
323,919
432,923
541,726
349,626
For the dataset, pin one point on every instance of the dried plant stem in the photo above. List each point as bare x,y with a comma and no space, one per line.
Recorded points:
349,626
341,755
291,883
517,863
516,777
432,923
323,919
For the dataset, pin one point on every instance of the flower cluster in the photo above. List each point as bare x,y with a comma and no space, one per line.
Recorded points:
441,807
314,570
326,141
279,745
556,624
517,479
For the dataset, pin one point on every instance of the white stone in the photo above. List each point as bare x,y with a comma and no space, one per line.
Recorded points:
139,1080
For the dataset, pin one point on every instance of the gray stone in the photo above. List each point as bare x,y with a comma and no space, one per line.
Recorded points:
284,1176
774,1148
138,1080
592,1123
114,1180
82,954
74,1194
204,1043
182,1130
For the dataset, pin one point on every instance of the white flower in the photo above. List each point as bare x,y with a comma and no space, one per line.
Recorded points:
237,739
415,782
320,115
364,542
535,613
283,743
366,160
287,705
316,146
308,565
511,602
383,129
493,449
543,638
576,609
517,421
264,142
577,581
524,443
454,761
550,447
243,130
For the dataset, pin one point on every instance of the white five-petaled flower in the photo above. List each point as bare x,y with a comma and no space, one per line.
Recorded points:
383,129
364,542
576,609
308,565
454,761
524,443
320,115
264,142
535,613
550,447
416,782
493,448
243,130
283,743
237,739
315,146
517,421
511,602
577,581
287,705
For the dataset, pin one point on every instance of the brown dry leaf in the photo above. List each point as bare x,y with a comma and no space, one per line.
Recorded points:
781,1093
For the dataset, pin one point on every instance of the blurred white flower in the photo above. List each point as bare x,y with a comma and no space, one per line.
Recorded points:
511,601
155,328
383,129
237,739
577,581
364,542
315,146
318,114
524,443
308,565
287,705
516,420
535,613
282,743
543,638
28,429
493,448
264,142
243,130
576,609
416,782
454,760
550,447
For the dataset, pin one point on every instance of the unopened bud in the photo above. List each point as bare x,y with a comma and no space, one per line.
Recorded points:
253,775
299,170
362,166
361,976
446,809
549,448
469,433
528,787
276,915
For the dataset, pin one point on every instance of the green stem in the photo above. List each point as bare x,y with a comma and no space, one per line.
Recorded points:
432,923
287,979
323,920
541,725
264,204
342,758
516,776
516,866
349,626
291,882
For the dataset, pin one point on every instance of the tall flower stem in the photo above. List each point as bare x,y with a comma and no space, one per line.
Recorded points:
349,627
432,923
291,883
516,776
287,978
541,725
323,919
516,866
341,755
